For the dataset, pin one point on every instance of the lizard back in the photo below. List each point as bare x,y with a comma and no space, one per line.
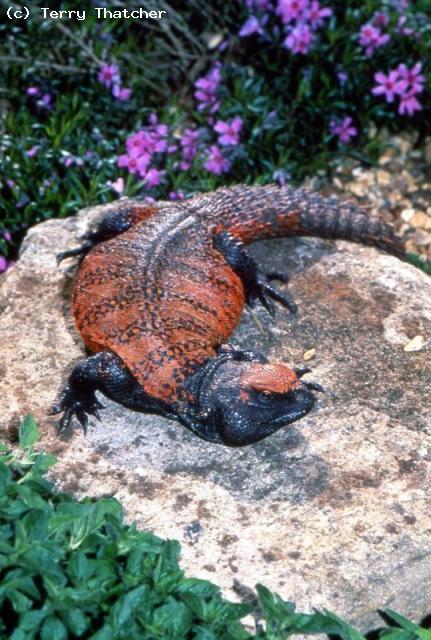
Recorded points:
160,297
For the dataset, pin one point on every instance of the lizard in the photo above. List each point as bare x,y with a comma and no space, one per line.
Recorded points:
160,288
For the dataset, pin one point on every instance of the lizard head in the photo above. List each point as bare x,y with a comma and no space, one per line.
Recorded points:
243,400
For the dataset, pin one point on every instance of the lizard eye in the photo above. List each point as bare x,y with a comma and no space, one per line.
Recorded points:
265,395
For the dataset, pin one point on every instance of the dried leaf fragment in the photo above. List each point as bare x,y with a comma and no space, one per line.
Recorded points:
308,355
415,344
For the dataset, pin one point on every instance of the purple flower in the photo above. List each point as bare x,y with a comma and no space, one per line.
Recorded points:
290,10
299,39
109,75
371,38
409,104
216,163
7,236
117,185
3,264
153,177
342,77
176,195
229,131
122,94
32,91
250,27
10,183
412,76
343,129
261,5
189,142
316,14
380,19
280,175
206,89
401,29
389,85
45,100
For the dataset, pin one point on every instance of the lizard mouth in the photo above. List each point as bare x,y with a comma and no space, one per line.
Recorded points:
301,403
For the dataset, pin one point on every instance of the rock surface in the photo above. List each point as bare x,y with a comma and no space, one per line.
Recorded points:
332,512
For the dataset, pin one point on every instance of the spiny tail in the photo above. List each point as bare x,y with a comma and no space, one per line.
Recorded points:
255,213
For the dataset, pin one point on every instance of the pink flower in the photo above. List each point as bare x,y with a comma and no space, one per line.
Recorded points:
371,38
316,15
117,185
290,10
299,39
216,163
109,75
389,85
32,152
3,264
229,131
122,94
134,164
153,177
32,91
7,236
409,104
250,27
343,129
412,76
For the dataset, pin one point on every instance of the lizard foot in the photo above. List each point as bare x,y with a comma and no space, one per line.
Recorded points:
80,251
256,283
261,289
76,403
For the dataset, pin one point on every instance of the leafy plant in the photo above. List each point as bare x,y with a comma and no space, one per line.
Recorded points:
72,569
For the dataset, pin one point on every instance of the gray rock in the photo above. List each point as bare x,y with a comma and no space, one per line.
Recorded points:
330,512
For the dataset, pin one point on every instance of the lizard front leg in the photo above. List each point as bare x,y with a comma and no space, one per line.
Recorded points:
104,372
116,221
256,283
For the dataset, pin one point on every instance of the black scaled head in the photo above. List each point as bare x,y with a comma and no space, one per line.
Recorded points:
242,401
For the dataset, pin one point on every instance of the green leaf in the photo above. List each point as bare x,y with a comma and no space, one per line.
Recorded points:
403,622
31,620
400,620
28,432
173,619
19,601
5,478
126,606
75,620
53,629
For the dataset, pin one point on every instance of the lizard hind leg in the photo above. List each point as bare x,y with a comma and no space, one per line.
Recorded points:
256,283
118,220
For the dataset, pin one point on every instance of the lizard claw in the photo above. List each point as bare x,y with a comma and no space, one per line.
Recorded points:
267,293
74,403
